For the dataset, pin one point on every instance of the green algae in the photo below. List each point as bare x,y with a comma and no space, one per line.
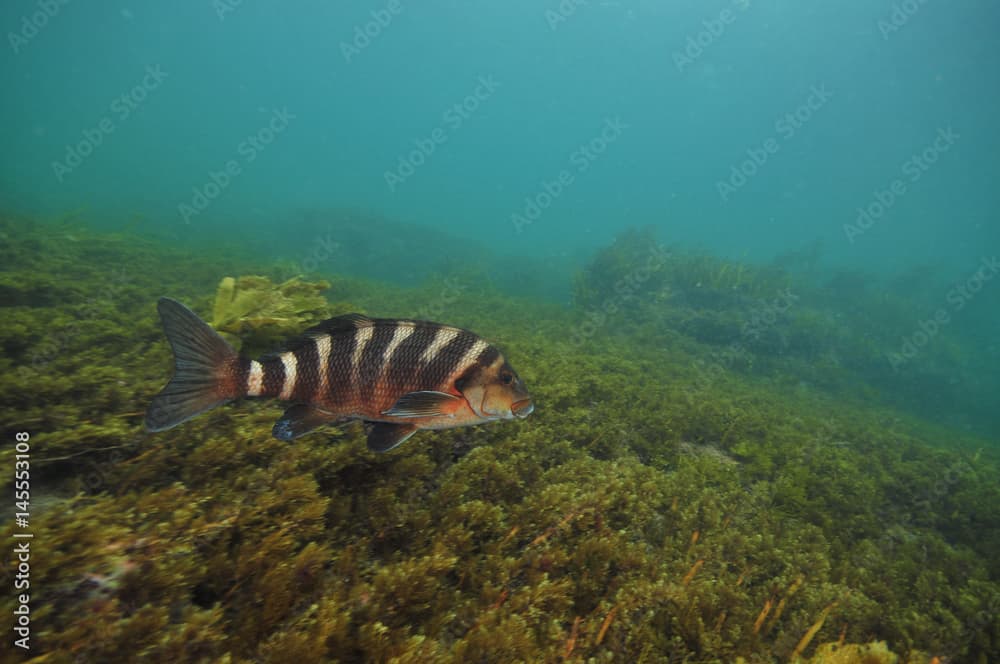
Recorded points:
255,308
840,333
650,510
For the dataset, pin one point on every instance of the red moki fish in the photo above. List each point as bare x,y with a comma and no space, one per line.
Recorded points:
399,376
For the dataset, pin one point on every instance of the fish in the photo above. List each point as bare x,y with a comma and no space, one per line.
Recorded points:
398,376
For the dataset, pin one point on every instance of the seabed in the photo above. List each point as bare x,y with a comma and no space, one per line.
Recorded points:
703,480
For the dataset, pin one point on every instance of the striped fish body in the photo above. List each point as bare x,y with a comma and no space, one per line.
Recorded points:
358,367
398,375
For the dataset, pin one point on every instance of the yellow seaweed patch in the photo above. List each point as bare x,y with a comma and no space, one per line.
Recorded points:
253,310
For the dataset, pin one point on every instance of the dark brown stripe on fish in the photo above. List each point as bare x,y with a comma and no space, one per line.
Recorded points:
240,375
488,356
437,371
404,368
339,386
307,370
485,358
370,365
274,375
468,361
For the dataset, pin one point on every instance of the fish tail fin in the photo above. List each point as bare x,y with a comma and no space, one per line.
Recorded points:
205,369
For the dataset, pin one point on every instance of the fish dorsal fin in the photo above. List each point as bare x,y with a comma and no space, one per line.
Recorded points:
354,321
427,403
384,436
339,324
300,419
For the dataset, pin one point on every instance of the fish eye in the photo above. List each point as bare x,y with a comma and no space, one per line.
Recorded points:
507,377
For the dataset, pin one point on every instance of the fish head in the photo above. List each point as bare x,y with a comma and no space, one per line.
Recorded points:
496,392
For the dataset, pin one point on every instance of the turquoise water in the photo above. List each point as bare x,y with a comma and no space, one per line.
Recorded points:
846,94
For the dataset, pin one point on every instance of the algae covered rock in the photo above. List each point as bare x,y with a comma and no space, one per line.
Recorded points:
852,653
255,311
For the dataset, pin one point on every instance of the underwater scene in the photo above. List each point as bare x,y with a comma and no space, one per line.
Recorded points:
558,331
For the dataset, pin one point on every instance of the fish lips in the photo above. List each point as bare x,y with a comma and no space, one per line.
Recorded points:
522,408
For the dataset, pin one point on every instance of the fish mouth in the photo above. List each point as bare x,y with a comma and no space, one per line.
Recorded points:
522,408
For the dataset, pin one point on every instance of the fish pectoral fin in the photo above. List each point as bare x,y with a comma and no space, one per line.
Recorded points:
384,436
424,404
300,419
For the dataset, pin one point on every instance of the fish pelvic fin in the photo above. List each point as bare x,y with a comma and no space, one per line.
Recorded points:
384,436
301,419
205,369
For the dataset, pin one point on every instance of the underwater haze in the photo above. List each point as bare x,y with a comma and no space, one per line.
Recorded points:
451,115
744,255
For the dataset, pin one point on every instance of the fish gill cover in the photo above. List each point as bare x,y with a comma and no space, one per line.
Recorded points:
741,254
